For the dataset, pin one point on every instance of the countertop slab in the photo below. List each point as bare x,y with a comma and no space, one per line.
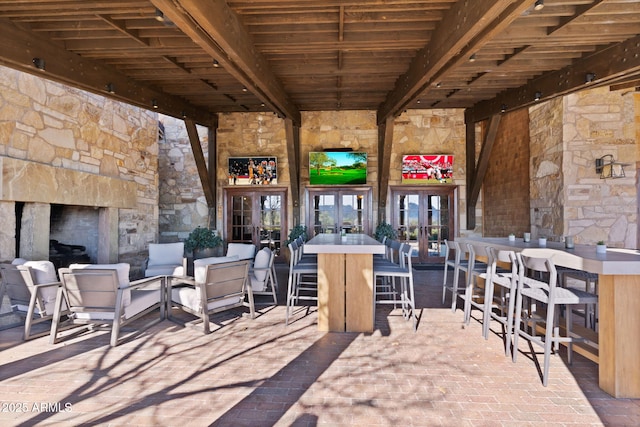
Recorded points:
334,243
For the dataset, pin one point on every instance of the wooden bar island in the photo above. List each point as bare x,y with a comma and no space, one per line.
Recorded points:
619,305
345,281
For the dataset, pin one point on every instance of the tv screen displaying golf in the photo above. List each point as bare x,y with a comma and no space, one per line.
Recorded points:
337,168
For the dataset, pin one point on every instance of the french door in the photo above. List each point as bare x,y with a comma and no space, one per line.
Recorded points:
424,218
331,209
256,216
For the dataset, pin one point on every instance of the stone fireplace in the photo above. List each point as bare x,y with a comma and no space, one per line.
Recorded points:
41,204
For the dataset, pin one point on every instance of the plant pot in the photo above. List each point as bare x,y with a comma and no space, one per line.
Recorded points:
601,249
207,252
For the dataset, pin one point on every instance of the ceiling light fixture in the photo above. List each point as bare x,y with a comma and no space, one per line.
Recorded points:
38,63
537,96
216,64
503,108
154,104
109,87
472,58
244,89
590,77
539,5
159,16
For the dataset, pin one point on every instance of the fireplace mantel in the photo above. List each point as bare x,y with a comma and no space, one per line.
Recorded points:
25,181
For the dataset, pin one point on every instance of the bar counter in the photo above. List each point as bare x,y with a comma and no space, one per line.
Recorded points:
345,281
619,305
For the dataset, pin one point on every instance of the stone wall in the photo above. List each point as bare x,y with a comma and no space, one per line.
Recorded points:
546,169
505,189
599,122
263,134
182,205
66,144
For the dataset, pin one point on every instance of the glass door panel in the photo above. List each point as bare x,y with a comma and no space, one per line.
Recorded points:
241,219
333,209
256,216
270,226
352,213
424,219
325,212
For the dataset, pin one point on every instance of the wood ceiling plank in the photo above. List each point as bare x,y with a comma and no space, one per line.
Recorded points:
71,69
474,25
217,29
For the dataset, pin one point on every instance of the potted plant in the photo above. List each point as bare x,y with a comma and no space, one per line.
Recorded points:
601,247
203,242
384,229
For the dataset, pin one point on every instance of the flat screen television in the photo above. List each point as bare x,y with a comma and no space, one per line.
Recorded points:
427,169
337,168
255,170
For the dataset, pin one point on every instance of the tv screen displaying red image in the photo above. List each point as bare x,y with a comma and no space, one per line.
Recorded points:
427,169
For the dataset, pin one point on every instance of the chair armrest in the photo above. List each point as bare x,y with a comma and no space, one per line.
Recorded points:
47,285
143,283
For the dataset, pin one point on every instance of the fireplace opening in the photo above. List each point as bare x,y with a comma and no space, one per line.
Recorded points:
73,235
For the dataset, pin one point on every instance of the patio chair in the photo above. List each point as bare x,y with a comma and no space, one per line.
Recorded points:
262,276
543,293
31,288
100,295
165,259
223,287
242,250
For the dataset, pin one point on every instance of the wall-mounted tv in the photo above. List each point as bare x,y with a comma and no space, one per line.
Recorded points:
337,168
427,169
255,170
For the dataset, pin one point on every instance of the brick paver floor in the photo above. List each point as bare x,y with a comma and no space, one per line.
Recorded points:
261,373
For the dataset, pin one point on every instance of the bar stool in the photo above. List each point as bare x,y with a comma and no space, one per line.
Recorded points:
459,264
300,286
545,293
590,281
404,272
500,306
479,267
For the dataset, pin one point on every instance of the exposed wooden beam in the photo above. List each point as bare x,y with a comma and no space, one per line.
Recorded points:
465,28
217,29
580,10
212,154
385,145
71,69
608,65
198,155
292,133
479,169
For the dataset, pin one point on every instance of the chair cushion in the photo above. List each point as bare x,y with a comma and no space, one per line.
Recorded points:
45,272
190,297
141,299
243,250
200,265
166,254
262,261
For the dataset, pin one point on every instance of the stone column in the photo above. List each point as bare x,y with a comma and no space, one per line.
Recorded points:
8,231
108,236
34,231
